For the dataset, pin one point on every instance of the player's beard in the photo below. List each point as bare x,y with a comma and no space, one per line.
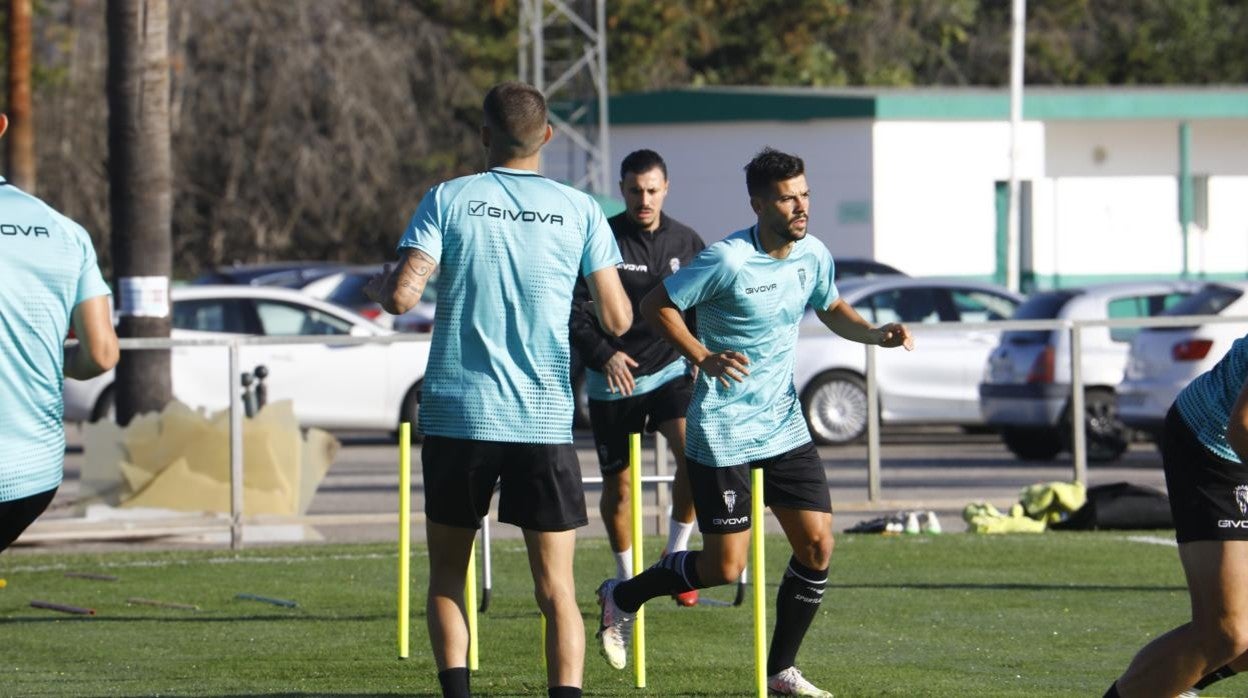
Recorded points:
792,234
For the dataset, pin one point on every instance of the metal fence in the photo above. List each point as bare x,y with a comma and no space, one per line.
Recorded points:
661,479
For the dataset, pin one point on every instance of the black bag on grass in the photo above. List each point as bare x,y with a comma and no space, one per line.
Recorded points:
1120,506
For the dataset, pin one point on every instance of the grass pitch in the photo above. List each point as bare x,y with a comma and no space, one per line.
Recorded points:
1057,614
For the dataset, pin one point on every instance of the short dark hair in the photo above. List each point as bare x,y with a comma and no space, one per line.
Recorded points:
641,162
771,166
515,113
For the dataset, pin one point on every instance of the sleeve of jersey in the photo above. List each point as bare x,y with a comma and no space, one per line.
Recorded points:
600,248
90,281
704,278
424,232
824,292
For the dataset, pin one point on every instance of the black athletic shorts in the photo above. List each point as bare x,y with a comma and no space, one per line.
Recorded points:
18,514
791,480
1208,494
539,485
614,420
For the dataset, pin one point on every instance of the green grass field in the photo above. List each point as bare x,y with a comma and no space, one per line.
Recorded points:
1058,614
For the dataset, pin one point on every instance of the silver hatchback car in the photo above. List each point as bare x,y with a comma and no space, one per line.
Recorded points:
1027,380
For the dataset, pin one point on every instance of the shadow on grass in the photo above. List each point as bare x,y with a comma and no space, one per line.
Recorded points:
188,618
1009,586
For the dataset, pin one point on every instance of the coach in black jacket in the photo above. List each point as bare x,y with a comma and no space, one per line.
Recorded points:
638,381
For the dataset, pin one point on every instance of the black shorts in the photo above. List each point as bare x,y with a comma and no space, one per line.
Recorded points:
16,515
1208,494
792,480
614,420
539,485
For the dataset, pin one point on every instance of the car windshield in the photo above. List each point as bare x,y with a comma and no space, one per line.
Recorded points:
1046,305
1209,300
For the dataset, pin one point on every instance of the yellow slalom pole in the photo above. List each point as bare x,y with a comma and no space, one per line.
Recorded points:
634,502
405,533
757,561
470,601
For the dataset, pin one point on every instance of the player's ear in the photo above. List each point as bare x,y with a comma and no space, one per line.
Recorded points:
550,133
756,204
4,124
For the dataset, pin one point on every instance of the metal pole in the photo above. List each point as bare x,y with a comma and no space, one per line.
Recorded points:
1016,118
604,125
1186,203
236,451
661,490
1079,432
873,429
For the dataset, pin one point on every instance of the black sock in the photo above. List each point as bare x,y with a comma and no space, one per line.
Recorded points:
1112,692
801,592
454,682
672,574
1225,672
564,692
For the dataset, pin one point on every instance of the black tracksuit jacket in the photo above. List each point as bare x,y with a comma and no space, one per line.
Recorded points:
648,259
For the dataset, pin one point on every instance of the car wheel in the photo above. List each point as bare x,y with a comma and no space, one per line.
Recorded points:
411,412
835,407
580,402
1032,444
1106,435
105,407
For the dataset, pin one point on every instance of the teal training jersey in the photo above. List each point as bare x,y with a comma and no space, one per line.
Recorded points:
509,244
47,266
750,302
598,389
1206,402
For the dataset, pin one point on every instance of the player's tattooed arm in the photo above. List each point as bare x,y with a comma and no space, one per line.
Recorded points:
399,289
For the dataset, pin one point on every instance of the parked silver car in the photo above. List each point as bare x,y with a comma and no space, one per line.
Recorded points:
1027,379
1163,360
936,384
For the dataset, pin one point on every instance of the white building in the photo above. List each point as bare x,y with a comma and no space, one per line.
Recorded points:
918,178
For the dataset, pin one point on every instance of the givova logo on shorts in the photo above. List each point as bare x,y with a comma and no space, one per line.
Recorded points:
730,502
1241,501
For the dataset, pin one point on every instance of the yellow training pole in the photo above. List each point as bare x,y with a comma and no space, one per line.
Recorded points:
757,561
470,601
405,507
634,504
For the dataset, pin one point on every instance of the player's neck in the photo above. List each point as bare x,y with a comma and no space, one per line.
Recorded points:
774,244
533,162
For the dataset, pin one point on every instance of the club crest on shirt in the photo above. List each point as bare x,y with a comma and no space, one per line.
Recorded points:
801,278
674,263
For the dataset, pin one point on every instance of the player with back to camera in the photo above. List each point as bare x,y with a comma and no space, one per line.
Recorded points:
496,403
49,282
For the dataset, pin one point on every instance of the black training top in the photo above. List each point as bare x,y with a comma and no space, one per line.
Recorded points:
648,259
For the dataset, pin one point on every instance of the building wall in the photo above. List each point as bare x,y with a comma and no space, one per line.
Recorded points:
706,167
935,189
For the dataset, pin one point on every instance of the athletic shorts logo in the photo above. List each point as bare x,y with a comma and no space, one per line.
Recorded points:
674,263
730,500
1241,498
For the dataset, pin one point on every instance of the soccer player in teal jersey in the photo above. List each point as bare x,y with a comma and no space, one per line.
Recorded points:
1204,451
496,403
49,281
751,290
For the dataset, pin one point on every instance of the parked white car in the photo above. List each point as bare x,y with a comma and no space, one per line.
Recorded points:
359,386
935,384
345,287
1163,360
1026,381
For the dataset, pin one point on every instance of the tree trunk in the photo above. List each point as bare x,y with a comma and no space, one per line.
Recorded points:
140,196
21,136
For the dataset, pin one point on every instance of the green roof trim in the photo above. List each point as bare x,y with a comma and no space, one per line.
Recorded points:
700,105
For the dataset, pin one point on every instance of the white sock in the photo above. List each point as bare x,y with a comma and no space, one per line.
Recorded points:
678,533
624,564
